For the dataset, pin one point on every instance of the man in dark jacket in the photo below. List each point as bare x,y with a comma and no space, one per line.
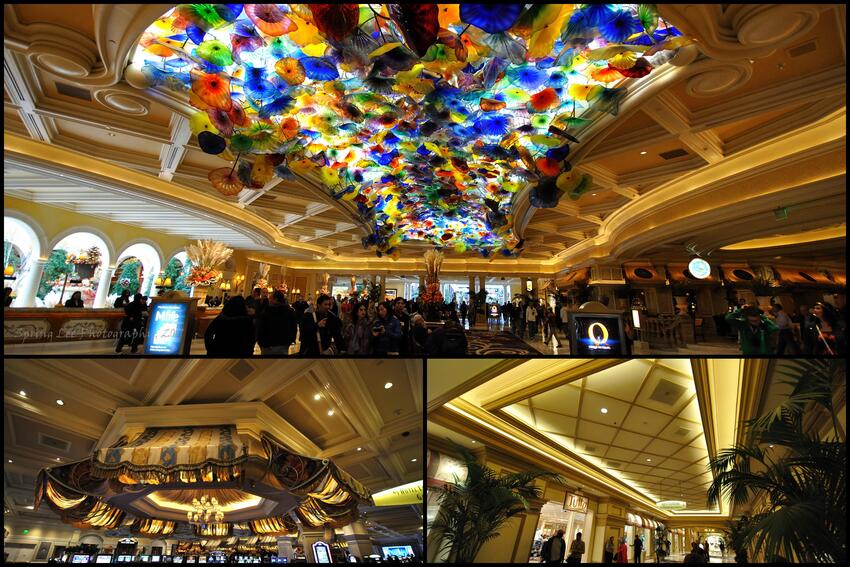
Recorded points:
232,333
554,549
404,321
321,323
132,326
276,326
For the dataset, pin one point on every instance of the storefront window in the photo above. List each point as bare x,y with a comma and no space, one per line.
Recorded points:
553,517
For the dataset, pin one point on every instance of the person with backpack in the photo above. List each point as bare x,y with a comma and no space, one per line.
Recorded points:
576,550
554,549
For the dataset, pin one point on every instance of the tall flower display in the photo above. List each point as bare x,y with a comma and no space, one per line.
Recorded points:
206,257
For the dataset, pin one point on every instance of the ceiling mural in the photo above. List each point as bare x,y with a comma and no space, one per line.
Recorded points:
426,117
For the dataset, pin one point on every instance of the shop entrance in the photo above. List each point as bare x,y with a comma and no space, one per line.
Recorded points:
553,517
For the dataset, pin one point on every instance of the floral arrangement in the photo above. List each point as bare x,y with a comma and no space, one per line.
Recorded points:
206,256
202,277
261,283
432,294
90,257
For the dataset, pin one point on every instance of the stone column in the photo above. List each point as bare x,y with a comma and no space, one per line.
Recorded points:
517,536
286,547
610,521
103,286
482,279
471,286
29,285
357,537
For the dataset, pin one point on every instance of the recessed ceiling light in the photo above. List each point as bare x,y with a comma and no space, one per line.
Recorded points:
24,394
11,461
649,460
58,459
359,448
643,153
412,460
330,412
388,385
771,446
474,441
60,402
317,397
594,194
604,410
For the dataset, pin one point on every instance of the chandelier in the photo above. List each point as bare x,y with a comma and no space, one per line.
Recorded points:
205,511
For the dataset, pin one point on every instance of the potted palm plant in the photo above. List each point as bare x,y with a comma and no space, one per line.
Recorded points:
473,510
796,478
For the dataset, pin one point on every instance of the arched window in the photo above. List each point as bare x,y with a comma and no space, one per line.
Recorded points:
75,264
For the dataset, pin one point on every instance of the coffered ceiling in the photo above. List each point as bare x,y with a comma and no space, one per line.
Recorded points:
650,434
373,433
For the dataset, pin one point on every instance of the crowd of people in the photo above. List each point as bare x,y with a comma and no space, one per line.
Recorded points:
331,326
817,330
555,550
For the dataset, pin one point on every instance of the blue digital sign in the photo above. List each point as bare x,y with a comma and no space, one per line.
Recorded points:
167,328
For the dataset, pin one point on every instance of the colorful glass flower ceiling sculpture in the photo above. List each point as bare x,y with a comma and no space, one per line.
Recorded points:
428,117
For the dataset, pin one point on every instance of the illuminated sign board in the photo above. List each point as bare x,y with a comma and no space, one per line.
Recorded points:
321,552
672,504
575,502
597,334
410,493
167,328
699,268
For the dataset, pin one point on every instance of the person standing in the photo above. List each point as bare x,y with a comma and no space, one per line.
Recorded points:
622,551
132,325
276,326
825,333
754,330
464,308
786,331
576,550
638,549
551,326
122,300
231,333
404,322
554,549
358,337
695,556
76,300
321,330
608,553
722,549
386,331
531,319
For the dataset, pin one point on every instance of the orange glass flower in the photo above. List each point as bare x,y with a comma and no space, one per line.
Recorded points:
290,70
547,98
269,19
225,181
213,89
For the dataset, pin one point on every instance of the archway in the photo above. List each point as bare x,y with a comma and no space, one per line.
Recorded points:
141,278
21,250
77,262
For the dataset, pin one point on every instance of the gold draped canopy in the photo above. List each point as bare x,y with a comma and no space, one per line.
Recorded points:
180,457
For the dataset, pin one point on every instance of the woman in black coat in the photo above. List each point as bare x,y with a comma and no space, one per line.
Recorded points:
231,334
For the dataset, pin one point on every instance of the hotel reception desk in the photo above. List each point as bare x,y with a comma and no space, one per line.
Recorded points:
63,324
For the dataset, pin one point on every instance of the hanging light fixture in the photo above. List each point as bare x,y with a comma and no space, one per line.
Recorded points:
205,511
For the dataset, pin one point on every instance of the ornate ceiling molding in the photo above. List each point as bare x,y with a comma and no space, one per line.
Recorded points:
743,31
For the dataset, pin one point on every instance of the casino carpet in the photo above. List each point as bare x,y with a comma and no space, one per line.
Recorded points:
484,343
